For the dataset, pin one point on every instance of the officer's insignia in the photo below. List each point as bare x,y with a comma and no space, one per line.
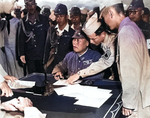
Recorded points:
87,62
106,54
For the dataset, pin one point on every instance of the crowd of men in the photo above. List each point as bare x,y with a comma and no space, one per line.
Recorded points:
80,44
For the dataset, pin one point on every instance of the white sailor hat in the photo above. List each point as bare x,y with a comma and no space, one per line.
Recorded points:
91,25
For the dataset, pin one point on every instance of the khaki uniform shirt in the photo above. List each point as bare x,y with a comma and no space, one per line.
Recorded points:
106,59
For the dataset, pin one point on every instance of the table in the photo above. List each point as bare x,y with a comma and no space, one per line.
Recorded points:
63,107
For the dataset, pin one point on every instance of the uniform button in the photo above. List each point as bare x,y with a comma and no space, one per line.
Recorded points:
35,46
34,34
78,68
33,29
79,61
34,40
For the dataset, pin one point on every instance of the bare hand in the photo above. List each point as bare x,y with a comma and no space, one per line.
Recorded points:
22,58
6,91
10,105
126,112
23,103
11,78
73,78
58,75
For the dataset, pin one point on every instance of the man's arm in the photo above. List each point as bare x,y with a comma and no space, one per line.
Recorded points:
21,43
6,91
60,69
96,67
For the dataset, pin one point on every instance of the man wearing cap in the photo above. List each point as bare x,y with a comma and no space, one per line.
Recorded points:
135,11
46,10
32,38
81,57
133,63
75,17
98,35
59,39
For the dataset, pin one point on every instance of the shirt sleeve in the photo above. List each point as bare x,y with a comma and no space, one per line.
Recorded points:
130,69
2,71
103,63
1,79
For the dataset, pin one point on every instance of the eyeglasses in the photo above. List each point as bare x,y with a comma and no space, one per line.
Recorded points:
133,11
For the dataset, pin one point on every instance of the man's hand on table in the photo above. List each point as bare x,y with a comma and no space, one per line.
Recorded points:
73,78
23,103
58,75
6,91
11,78
17,104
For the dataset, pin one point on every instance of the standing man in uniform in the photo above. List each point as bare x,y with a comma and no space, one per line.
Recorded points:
136,11
133,63
98,35
59,39
32,38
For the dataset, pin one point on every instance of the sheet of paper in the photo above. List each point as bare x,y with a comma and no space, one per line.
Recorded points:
64,82
21,84
86,95
95,102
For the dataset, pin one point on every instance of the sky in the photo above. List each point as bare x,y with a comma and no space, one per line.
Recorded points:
83,3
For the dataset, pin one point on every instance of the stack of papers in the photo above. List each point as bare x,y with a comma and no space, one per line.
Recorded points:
86,95
21,84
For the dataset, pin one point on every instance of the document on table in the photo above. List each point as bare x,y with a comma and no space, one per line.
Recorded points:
64,82
86,95
21,84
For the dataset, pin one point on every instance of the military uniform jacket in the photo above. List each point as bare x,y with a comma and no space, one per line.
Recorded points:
32,42
106,60
61,44
133,65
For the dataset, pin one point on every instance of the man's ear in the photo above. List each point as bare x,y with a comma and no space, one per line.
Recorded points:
142,12
111,13
67,16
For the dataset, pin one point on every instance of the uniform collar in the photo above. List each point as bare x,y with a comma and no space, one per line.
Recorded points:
83,53
65,28
61,31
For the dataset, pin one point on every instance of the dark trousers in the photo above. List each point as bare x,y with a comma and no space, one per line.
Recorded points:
35,66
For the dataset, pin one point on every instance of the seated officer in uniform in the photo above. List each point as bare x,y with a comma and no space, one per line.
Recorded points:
98,35
81,57
135,11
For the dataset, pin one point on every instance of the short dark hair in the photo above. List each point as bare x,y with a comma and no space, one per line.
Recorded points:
101,28
119,8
